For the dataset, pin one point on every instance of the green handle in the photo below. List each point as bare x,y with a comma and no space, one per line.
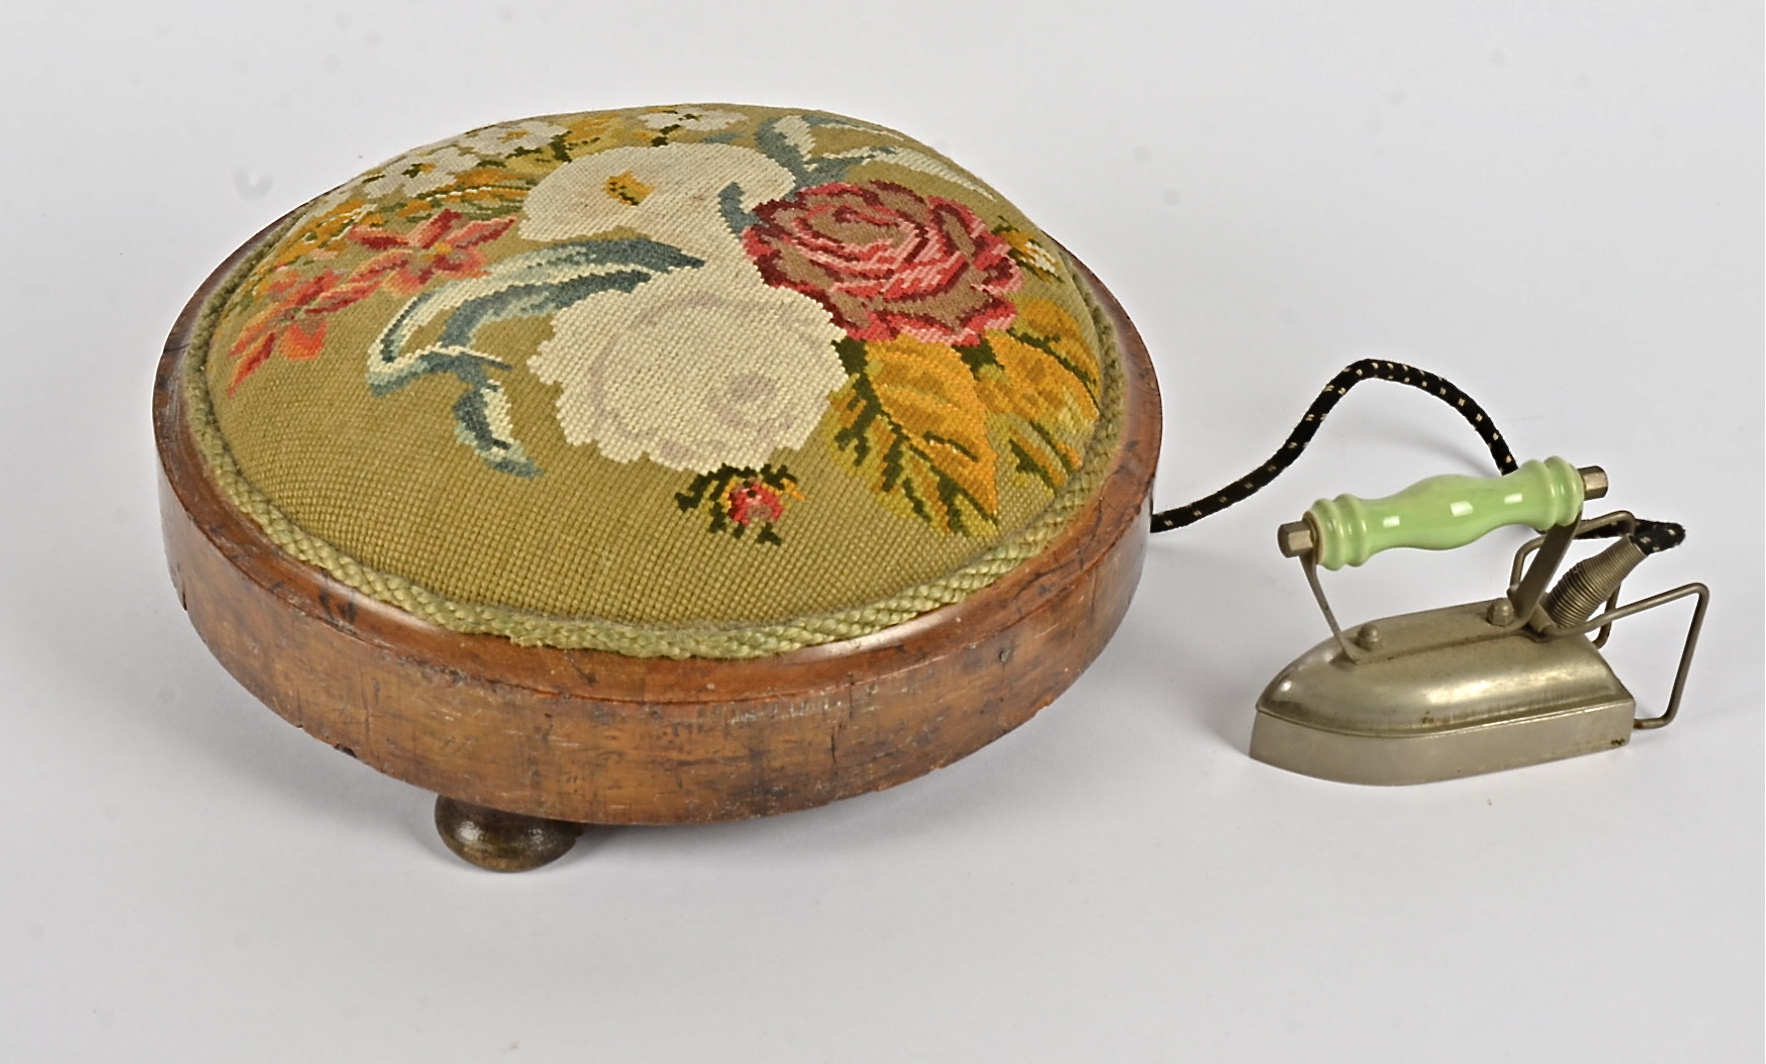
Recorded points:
1444,512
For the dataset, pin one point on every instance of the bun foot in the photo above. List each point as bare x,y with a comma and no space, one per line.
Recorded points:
499,841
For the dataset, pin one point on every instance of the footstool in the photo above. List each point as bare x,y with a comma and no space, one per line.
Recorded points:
654,466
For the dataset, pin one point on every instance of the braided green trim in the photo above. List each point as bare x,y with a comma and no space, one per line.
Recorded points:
703,641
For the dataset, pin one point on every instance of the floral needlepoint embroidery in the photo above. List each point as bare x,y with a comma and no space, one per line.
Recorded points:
679,194
627,189
696,379
443,246
742,500
626,390
676,119
887,261
708,290
1030,254
511,137
752,502
294,323
422,171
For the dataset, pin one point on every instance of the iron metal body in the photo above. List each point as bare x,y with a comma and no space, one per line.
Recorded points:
1472,688
1455,696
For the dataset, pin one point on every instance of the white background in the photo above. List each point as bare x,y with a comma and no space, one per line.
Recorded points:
1555,204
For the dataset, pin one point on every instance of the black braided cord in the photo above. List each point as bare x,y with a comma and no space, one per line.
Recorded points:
1651,536
1353,374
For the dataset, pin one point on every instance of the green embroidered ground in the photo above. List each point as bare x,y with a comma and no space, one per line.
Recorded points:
682,641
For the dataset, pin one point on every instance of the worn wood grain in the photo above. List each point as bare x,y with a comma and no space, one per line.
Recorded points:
595,737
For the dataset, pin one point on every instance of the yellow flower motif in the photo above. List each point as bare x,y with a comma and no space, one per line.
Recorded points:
627,189
1044,379
592,131
320,238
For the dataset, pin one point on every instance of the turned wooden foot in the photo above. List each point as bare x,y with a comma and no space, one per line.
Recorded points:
499,841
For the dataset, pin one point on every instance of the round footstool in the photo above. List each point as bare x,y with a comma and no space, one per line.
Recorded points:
654,466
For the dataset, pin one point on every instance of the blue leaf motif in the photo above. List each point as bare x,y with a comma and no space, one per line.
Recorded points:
790,142
530,285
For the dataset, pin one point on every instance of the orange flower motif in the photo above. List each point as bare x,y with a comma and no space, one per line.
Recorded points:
439,247
295,323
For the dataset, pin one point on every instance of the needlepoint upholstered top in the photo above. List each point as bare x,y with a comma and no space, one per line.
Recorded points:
716,381
655,465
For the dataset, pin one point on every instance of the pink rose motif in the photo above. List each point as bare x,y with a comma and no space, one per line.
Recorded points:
887,261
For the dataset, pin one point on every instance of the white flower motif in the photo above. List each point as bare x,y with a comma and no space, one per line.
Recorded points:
692,118
668,193
501,140
1040,257
420,171
696,370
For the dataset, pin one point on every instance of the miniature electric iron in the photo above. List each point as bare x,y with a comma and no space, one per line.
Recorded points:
1473,688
